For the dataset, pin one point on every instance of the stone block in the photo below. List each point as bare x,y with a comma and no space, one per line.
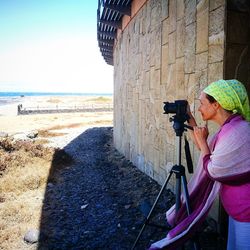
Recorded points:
165,28
202,5
156,158
216,21
191,86
216,53
154,17
172,47
140,163
152,49
171,147
216,47
180,9
157,83
149,169
157,48
152,78
214,4
217,39
180,38
180,78
215,71
164,64
146,82
164,9
171,82
201,80
190,38
190,11
202,27
172,16
163,154
201,61
161,176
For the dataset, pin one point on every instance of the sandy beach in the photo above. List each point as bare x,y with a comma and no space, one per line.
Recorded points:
66,126
26,164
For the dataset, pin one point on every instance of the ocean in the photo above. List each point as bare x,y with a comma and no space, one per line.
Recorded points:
13,97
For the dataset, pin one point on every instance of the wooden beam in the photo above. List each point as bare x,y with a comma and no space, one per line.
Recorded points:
107,41
105,54
124,10
106,47
116,24
108,34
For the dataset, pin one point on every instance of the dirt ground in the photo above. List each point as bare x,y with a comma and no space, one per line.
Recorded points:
92,199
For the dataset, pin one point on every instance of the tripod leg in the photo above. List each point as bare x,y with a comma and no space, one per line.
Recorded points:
186,195
152,209
177,193
187,202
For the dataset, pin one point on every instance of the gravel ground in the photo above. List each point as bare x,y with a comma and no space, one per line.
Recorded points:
100,200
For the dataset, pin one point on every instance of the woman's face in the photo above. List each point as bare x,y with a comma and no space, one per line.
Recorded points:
208,110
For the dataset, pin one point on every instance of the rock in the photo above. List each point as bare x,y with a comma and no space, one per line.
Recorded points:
127,206
20,136
32,134
84,206
50,185
31,236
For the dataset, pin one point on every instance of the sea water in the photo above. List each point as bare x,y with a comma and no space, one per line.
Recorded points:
15,97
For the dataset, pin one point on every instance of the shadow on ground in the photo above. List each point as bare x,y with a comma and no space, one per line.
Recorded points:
96,199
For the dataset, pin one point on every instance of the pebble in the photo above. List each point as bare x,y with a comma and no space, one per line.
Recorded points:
32,134
84,206
31,236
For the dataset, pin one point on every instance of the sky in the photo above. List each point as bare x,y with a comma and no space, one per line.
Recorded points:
51,46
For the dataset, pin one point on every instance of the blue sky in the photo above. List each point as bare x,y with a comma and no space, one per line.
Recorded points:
51,45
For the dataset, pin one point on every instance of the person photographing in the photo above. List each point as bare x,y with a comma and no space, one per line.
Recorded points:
227,159
223,167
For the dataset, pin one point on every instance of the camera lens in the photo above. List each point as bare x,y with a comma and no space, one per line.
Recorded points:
169,108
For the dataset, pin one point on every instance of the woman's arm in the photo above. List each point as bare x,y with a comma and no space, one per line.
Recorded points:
191,122
201,134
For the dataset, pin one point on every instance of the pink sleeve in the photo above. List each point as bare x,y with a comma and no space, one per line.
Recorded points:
230,180
206,160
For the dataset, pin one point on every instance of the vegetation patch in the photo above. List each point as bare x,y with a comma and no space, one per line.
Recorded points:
26,167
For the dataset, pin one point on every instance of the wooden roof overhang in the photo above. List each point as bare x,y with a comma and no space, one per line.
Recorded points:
109,19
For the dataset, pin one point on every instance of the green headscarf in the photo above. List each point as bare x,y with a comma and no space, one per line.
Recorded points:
231,95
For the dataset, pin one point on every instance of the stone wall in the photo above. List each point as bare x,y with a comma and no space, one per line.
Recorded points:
170,50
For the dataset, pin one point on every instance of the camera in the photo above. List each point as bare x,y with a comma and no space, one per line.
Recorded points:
179,107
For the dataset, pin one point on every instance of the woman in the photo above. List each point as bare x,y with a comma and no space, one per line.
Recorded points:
224,167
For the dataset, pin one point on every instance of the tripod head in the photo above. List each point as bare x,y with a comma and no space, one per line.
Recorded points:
179,108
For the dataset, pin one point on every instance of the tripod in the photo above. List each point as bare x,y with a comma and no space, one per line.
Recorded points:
179,172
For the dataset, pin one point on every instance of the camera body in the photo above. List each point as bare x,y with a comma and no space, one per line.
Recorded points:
179,107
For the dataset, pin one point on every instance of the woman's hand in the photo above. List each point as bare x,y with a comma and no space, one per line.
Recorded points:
191,122
201,134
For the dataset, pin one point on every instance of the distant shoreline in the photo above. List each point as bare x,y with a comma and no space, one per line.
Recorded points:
23,94
17,97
